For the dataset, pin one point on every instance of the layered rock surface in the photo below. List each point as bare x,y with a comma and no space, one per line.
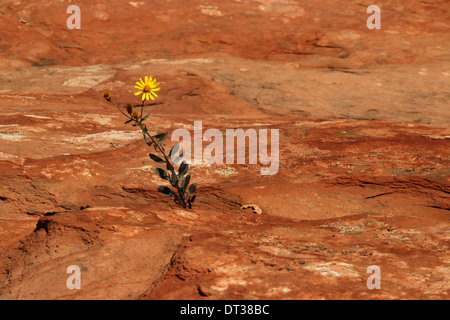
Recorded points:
364,150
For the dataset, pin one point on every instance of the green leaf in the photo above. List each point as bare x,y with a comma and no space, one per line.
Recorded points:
145,137
165,191
158,136
178,159
161,137
184,167
148,115
162,174
174,179
192,188
174,150
185,181
169,166
155,158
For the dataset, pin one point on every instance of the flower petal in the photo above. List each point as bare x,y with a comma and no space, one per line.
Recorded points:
146,79
155,94
138,93
142,82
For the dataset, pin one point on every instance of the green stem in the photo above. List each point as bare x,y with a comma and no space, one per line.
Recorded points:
143,127
117,106
166,158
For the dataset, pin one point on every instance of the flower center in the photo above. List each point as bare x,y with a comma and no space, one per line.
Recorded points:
147,88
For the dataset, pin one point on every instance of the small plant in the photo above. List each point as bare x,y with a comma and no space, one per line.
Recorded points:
183,193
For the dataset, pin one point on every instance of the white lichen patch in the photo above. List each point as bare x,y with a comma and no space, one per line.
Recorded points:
105,208
12,135
336,269
143,168
279,290
211,11
105,137
80,117
276,251
287,8
11,157
99,118
226,171
77,168
344,227
223,284
37,117
87,81
179,61
186,214
9,125
136,4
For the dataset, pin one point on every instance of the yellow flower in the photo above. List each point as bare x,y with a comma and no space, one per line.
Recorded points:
147,88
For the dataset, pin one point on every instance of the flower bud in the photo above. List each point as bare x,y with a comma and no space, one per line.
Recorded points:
107,95
129,108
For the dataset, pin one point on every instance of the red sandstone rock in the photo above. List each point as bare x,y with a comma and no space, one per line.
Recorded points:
364,150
